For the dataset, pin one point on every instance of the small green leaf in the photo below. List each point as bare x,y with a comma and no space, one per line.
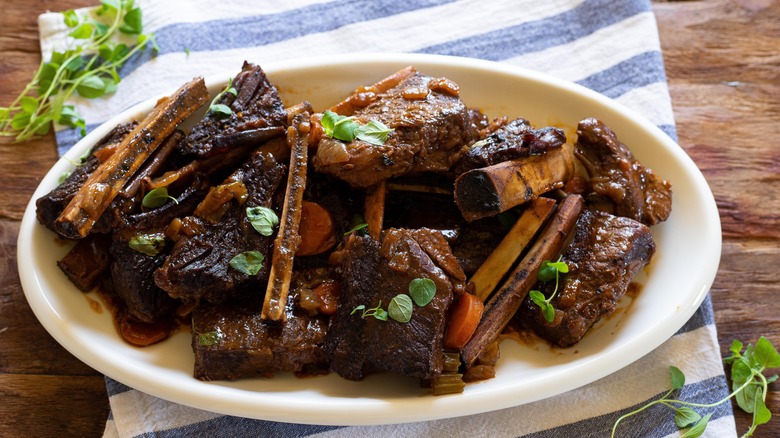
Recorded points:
247,262
560,266
63,177
358,308
422,291
157,198
113,4
698,429
548,311
374,132
149,244
91,87
345,129
338,127
29,104
380,314
537,297
546,272
82,32
74,64
761,414
685,416
221,110
110,84
101,29
20,120
133,22
209,338
329,119
119,52
400,308
187,51
746,399
765,354
263,219
677,376
70,17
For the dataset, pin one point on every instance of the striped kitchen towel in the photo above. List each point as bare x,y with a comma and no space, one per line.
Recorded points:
606,45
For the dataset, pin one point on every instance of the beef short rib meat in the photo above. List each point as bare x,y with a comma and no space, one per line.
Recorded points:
198,267
615,174
431,128
516,139
232,342
373,274
257,112
50,206
132,277
606,253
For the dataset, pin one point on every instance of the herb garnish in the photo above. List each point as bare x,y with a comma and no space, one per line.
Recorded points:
88,67
347,129
247,262
377,312
358,228
358,224
547,272
220,109
157,198
400,308
748,383
209,338
149,244
263,219
421,290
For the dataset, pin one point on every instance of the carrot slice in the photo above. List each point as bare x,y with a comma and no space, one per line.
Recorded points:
464,318
315,229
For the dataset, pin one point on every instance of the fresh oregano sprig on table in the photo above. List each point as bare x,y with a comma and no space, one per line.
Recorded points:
89,67
749,388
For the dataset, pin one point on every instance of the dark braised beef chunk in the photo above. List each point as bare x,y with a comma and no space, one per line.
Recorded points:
198,267
634,189
87,261
431,128
256,107
132,276
374,274
606,253
232,342
517,139
49,206
471,242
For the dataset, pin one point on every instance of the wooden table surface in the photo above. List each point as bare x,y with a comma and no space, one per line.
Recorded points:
723,64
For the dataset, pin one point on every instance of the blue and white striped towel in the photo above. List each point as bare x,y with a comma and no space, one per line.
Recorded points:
609,46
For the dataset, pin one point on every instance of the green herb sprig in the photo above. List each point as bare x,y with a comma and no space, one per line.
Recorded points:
347,129
247,262
88,67
157,198
421,293
263,219
377,312
219,109
210,338
748,383
547,272
149,244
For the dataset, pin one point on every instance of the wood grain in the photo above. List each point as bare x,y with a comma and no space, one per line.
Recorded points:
723,66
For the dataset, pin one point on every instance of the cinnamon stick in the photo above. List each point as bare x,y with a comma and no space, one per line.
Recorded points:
104,184
288,239
507,300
